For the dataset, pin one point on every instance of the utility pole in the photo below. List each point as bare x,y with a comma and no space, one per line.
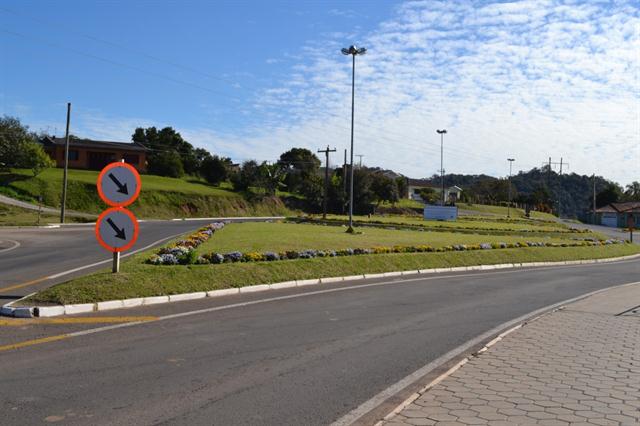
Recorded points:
360,157
594,198
326,180
560,191
66,165
344,179
442,133
510,160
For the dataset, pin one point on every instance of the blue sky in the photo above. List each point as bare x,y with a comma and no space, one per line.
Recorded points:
529,79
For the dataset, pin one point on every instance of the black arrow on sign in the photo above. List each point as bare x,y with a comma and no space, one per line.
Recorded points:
119,232
121,188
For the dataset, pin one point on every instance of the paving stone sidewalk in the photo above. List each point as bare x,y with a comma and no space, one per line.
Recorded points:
579,366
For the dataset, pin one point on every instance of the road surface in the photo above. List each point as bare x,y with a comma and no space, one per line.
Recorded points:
29,254
307,359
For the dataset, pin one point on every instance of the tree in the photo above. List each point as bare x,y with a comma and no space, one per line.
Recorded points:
166,164
249,175
429,195
272,177
165,140
384,188
403,187
14,142
215,169
610,194
632,192
298,164
34,158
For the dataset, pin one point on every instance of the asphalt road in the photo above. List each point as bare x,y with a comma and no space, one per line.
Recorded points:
304,360
48,251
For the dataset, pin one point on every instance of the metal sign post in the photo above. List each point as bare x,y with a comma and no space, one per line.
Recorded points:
117,228
631,223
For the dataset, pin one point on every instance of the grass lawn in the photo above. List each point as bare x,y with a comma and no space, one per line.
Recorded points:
263,237
17,216
462,223
502,211
140,280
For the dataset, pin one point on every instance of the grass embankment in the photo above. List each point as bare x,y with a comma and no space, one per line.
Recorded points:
138,279
160,197
17,216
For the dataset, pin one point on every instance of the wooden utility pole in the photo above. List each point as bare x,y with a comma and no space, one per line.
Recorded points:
344,180
594,198
326,180
66,165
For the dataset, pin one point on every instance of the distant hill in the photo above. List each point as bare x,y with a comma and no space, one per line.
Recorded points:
572,192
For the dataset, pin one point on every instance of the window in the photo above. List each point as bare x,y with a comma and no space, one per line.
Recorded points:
73,155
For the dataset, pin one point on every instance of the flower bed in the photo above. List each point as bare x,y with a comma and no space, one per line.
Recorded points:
183,252
236,256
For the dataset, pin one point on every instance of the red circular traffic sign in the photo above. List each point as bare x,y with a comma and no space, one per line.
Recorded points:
117,229
119,184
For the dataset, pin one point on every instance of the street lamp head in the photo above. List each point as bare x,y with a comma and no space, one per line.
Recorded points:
511,159
443,131
353,50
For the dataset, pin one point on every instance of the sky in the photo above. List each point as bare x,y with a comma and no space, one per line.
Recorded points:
526,80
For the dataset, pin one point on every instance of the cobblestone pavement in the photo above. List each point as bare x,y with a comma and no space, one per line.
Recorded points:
579,366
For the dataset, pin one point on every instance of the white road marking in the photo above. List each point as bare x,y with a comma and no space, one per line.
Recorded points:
13,247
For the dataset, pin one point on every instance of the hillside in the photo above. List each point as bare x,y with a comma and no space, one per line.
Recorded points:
160,197
570,192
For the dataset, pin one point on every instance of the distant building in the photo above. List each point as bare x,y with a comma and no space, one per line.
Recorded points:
451,194
616,215
94,155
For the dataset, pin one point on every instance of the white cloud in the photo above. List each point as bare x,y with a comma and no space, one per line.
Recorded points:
528,80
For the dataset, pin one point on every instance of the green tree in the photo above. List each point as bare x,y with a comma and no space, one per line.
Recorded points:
429,195
632,191
14,142
247,176
34,158
610,194
215,169
167,164
272,177
299,164
165,140
384,188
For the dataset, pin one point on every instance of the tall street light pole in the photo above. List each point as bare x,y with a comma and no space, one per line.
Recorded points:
442,133
510,160
353,51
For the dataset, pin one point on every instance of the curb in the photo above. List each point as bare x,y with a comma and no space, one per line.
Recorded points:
57,310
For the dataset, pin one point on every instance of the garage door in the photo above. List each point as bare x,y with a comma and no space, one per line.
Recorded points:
610,221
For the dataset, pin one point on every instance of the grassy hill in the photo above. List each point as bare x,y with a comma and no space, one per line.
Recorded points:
160,197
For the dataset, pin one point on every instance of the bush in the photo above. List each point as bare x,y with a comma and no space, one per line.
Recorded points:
168,164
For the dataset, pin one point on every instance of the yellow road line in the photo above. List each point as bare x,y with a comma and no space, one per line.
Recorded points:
76,320
33,342
28,283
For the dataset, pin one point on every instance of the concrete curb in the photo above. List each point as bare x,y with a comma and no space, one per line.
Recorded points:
50,311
